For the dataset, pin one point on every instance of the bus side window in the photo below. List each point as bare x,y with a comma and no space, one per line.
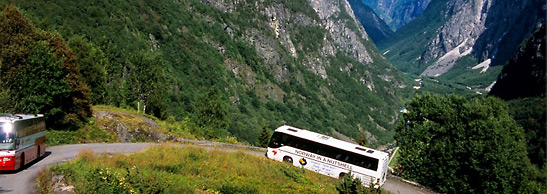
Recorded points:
275,141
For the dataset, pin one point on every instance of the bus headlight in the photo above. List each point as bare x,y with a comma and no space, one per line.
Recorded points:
7,159
8,127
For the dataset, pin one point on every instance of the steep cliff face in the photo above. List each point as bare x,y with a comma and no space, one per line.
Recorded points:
456,32
487,29
376,28
335,27
397,13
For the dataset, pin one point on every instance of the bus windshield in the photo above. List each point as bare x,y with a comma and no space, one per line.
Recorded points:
5,137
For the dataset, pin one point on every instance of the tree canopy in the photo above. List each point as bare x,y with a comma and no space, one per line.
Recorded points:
458,145
39,73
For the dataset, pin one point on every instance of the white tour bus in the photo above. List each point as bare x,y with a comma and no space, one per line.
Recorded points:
327,155
22,140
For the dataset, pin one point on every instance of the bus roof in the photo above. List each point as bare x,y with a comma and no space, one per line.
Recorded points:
16,117
327,140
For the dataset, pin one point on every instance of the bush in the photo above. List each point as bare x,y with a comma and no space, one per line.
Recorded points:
351,185
458,145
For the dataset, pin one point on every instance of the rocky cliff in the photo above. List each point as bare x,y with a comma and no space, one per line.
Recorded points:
488,29
336,26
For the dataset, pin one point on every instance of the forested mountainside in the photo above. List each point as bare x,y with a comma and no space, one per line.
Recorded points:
458,40
376,28
397,13
522,83
231,67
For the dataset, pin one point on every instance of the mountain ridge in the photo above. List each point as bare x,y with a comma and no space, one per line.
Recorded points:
397,13
462,34
376,28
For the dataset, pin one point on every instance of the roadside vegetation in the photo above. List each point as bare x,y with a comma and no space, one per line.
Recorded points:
168,169
138,127
458,145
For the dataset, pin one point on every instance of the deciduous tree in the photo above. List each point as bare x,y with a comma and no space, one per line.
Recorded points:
458,145
40,73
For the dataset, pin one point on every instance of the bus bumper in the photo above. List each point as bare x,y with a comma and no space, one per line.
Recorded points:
7,163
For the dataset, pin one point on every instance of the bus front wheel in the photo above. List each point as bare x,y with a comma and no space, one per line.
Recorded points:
22,164
287,159
342,175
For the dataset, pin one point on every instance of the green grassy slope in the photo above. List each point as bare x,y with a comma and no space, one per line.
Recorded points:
167,169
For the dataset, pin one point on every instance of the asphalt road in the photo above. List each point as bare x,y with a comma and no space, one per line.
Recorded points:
22,181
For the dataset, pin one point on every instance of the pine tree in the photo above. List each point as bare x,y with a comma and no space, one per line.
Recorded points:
264,137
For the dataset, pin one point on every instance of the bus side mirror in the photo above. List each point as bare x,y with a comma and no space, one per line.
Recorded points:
17,141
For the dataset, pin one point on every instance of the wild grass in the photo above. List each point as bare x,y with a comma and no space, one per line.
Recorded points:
95,131
89,133
394,159
168,169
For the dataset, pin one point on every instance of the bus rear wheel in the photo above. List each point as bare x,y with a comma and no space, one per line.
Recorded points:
287,159
342,175
22,164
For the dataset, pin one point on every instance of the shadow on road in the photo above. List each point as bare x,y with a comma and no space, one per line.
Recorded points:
46,154
4,191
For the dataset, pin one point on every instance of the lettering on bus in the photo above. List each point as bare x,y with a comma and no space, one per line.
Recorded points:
323,152
324,159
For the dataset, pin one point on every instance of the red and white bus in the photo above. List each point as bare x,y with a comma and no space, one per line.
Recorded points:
327,155
22,140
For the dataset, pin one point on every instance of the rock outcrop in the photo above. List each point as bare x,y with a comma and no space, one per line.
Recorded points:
129,127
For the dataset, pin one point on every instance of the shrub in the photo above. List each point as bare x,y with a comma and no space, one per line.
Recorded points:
458,145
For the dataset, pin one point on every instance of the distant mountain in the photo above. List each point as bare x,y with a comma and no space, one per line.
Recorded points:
397,13
462,41
233,67
376,28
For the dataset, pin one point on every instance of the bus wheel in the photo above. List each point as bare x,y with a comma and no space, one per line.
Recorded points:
287,159
342,175
22,164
